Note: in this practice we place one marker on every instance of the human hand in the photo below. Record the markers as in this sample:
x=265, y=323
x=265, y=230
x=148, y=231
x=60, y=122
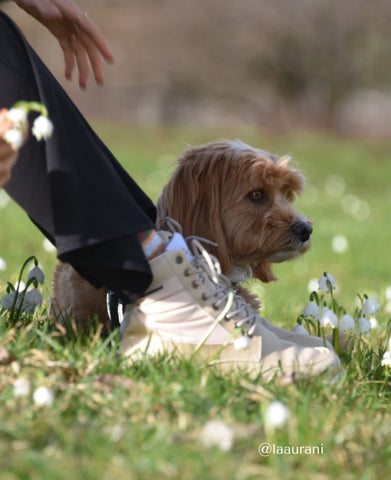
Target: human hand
x=8, y=155
x=8, y=158
x=79, y=37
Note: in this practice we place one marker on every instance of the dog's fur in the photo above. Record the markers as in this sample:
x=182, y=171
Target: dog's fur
x=237, y=196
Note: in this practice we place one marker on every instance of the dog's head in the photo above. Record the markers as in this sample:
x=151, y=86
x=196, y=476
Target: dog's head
x=242, y=199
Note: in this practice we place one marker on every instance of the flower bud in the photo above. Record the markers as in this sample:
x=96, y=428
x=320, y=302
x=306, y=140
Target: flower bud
x=364, y=325
x=346, y=323
x=36, y=273
x=323, y=282
x=370, y=306
x=42, y=128
x=300, y=330
x=328, y=318
x=14, y=137
x=32, y=299
x=43, y=396
x=18, y=117
x=8, y=300
x=386, y=360
x=277, y=415
x=311, y=310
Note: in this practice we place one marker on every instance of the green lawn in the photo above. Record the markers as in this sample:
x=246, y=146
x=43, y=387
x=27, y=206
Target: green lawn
x=112, y=419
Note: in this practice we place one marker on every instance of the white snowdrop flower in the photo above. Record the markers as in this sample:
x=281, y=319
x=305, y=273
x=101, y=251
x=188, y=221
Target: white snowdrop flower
x=387, y=307
x=339, y=244
x=370, y=306
x=364, y=325
x=8, y=300
x=328, y=318
x=335, y=185
x=300, y=330
x=311, y=310
x=388, y=293
x=43, y=396
x=32, y=299
x=42, y=128
x=3, y=265
x=17, y=116
x=389, y=343
x=14, y=137
x=276, y=416
x=313, y=285
x=22, y=387
x=386, y=360
x=20, y=286
x=346, y=323
x=37, y=273
x=323, y=282
x=48, y=246
x=217, y=434
x=242, y=342
x=374, y=323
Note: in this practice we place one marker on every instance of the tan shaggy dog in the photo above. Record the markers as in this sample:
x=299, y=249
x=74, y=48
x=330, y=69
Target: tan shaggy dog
x=228, y=192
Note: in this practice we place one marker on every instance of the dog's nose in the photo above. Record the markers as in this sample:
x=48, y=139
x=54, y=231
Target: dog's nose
x=303, y=230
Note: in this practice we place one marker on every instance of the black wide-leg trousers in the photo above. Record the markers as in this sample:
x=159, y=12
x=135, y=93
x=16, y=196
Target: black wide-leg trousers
x=71, y=186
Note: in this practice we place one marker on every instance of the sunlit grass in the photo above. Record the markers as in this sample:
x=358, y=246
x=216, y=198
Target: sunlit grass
x=115, y=419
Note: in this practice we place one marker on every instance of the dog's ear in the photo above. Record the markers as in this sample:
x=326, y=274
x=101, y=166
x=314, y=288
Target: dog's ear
x=263, y=271
x=161, y=210
x=178, y=198
x=194, y=200
x=215, y=229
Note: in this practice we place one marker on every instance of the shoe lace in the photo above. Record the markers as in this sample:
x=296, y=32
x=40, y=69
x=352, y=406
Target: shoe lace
x=223, y=293
x=226, y=299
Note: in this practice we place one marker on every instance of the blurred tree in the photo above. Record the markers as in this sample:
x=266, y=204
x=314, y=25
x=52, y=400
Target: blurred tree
x=273, y=62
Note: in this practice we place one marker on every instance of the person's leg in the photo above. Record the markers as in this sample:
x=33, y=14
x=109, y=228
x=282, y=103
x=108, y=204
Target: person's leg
x=71, y=186
x=81, y=198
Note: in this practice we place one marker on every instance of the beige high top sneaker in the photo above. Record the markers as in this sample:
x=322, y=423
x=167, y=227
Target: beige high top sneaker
x=190, y=308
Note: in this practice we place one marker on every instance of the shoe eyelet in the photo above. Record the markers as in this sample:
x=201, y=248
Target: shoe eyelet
x=179, y=259
x=195, y=284
x=204, y=297
x=215, y=307
x=187, y=272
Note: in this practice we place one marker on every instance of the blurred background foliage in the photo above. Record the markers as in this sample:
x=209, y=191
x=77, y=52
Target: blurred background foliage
x=307, y=78
x=276, y=64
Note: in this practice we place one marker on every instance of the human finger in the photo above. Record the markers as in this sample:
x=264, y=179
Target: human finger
x=69, y=56
x=94, y=56
x=73, y=14
x=7, y=161
x=5, y=122
x=81, y=60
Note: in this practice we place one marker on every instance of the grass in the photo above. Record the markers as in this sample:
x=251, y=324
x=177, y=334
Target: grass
x=116, y=419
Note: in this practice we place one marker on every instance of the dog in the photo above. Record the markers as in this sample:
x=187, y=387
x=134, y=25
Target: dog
x=238, y=197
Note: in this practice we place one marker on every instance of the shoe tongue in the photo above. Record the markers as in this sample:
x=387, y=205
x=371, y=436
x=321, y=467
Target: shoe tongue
x=177, y=242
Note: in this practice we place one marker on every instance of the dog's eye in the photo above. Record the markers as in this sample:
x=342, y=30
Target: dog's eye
x=290, y=196
x=256, y=196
